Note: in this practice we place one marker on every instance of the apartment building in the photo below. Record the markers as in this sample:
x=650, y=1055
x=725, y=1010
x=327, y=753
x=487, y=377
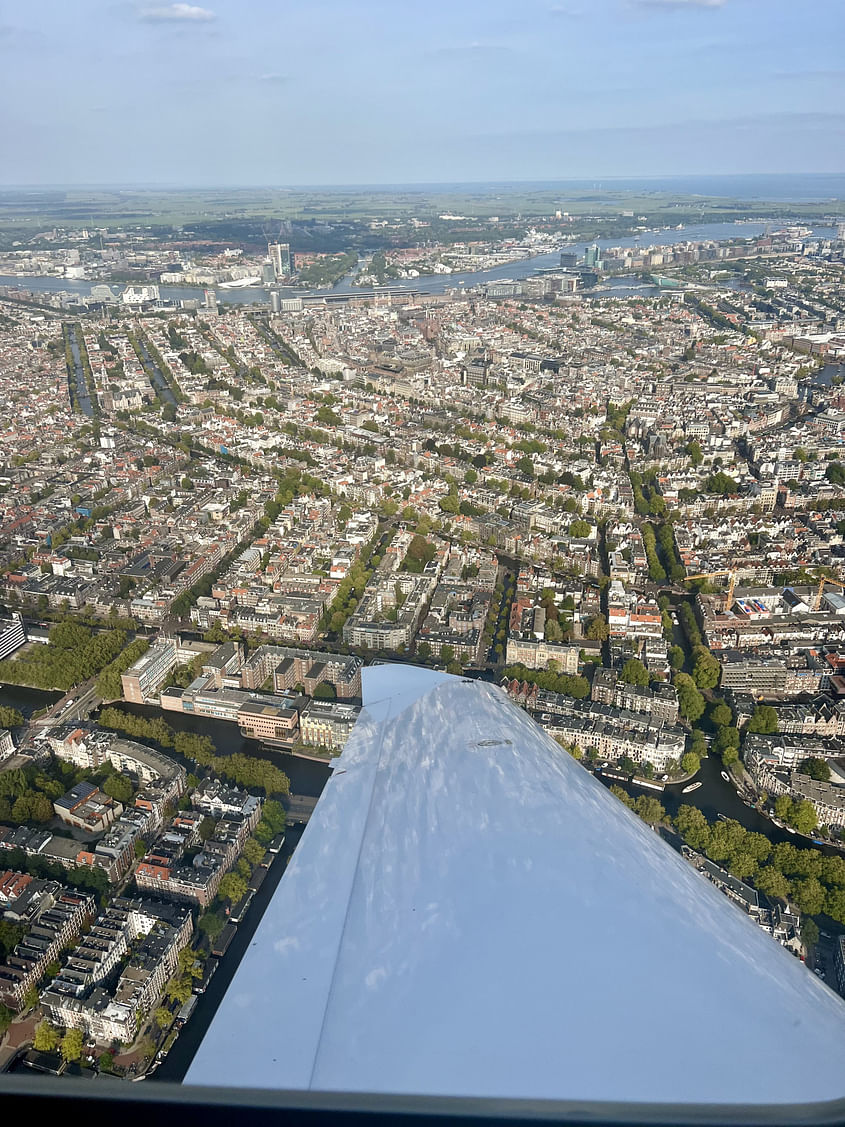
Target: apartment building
x=140, y=683
x=55, y=917
x=327, y=723
x=77, y=998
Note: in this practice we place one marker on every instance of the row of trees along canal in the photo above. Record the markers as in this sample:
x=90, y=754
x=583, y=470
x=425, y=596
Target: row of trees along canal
x=80, y=379
x=810, y=879
x=157, y=371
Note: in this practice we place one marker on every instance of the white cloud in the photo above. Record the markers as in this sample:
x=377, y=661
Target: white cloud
x=177, y=13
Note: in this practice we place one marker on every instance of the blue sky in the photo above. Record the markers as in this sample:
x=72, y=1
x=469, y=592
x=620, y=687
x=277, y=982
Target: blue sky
x=392, y=91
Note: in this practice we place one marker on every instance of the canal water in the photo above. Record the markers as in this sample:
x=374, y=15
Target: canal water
x=82, y=393
x=27, y=701
x=307, y=776
x=160, y=384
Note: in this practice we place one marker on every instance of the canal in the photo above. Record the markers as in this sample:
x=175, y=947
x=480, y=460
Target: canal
x=177, y=1061
x=83, y=396
x=717, y=796
x=307, y=776
x=27, y=701
x=157, y=377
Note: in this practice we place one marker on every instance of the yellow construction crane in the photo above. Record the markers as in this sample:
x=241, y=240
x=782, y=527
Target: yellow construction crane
x=824, y=579
x=715, y=575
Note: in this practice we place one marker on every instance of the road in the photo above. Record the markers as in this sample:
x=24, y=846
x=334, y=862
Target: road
x=85, y=700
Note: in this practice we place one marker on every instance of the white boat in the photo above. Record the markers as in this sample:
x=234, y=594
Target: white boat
x=725, y=776
x=240, y=283
x=692, y=786
x=789, y=829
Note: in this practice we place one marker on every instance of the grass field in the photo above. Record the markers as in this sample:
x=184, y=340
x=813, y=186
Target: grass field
x=33, y=210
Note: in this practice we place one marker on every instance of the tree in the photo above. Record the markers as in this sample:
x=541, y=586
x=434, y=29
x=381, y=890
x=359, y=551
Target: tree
x=634, y=673
x=105, y=1062
x=816, y=768
x=742, y=865
x=140, y=848
x=706, y=669
x=721, y=483
x=693, y=448
x=727, y=739
x=649, y=809
x=804, y=817
x=210, y=924
x=676, y=657
x=553, y=630
x=764, y=719
x=690, y=700
x=808, y=896
x=253, y=851
x=162, y=1017
x=730, y=756
x=189, y=963
x=809, y=933
x=772, y=883
x=30, y=998
x=720, y=714
x=47, y=1038
x=690, y=763
x=834, y=904
x=325, y=690
x=119, y=787
x=179, y=990
x=232, y=888
x=206, y=828
x=597, y=629
x=274, y=815
x=693, y=827
x=579, y=529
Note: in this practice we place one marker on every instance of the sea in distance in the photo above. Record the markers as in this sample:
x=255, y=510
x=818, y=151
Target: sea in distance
x=779, y=187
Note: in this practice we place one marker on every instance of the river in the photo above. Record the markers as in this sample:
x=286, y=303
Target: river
x=438, y=283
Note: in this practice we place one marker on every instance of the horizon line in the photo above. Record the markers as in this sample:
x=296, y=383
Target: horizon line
x=596, y=180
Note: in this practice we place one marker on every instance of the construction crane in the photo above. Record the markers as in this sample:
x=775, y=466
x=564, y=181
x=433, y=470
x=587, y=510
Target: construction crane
x=733, y=575
x=824, y=579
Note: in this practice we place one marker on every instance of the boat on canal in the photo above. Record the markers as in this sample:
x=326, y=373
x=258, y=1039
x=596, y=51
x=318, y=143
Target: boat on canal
x=725, y=776
x=692, y=787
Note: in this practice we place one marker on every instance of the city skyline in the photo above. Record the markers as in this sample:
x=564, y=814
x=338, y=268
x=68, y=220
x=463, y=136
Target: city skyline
x=212, y=94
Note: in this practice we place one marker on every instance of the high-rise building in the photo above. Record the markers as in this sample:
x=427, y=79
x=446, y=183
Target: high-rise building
x=591, y=255
x=12, y=634
x=281, y=259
